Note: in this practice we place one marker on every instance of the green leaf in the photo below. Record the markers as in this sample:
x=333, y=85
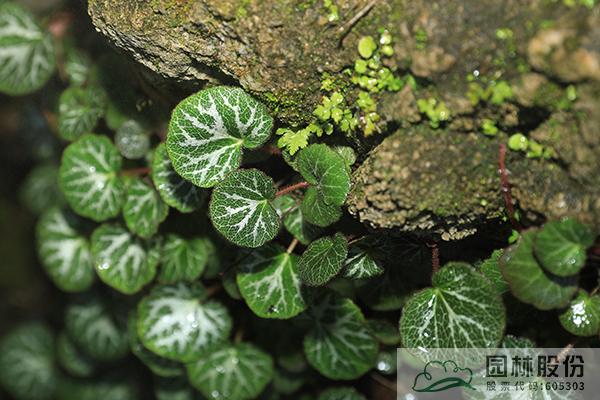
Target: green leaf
x=183, y=259
x=79, y=110
x=27, y=57
x=72, y=359
x=27, y=361
x=235, y=372
x=529, y=282
x=132, y=140
x=241, y=208
x=124, y=262
x=341, y=393
x=209, y=129
x=175, y=389
x=174, y=190
x=78, y=66
x=339, y=344
x=115, y=386
x=88, y=177
x=176, y=322
x=347, y=153
x=268, y=281
x=384, y=331
x=144, y=210
x=158, y=365
x=323, y=259
x=325, y=170
x=366, y=46
x=491, y=269
x=461, y=310
x=560, y=246
x=361, y=262
x=95, y=330
x=40, y=190
x=289, y=209
x=582, y=317
x=316, y=211
x=64, y=250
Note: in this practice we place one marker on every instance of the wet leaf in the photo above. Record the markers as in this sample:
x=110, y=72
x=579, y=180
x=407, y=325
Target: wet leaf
x=582, y=316
x=123, y=261
x=560, y=246
x=235, y=372
x=529, y=282
x=132, y=140
x=323, y=259
x=88, y=177
x=268, y=281
x=461, y=310
x=316, y=211
x=209, y=129
x=241, y=208
x=177, y=322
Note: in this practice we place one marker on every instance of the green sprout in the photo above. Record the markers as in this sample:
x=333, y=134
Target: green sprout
x=435, y=110
x=489, y=127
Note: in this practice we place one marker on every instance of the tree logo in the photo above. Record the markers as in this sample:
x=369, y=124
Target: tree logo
x=438, y=376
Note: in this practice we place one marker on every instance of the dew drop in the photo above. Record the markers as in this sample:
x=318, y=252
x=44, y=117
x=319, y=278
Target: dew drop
x=104, y=266
x=215, y=394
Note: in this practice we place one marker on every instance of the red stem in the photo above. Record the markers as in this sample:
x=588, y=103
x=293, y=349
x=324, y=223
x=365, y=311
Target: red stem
x=291, y=188
x=435, y=258
x=506, y=189
x=137, y=171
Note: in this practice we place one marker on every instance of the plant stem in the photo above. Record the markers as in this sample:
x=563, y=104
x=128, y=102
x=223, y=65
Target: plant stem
x=435, y=258
x=238, y=336
x=345, y=29
x=291, y=188
x=137, y=171
x=505, y=188
x=212, y=290
x=292, y=246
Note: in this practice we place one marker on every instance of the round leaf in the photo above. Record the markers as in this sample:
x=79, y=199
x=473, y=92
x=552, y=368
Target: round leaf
x=78, y=66
x=182, y=259
x=89, y=178
x=175, y=322
x=158, y=365
x=461, y=310
x=72, y=359
x=123, y=261
x=268, y=281
x=491, y=269
x=323, y=259
x=27, y=57
x=27, y=362
x=316, y=211
x=582, y=317
x=209, y=129
x=237, y=372
x=174, y=190
x=79, y=110
x=560, y=246
x=144, y=210
x=132, y=141
x=361, y=262
x=326, y=170
x=240, y=208
x=529, y=282
x=289, y=209
x=384, y=331
x=95, y=330
x=339, y=344
x=64, y=250
x=40, y=190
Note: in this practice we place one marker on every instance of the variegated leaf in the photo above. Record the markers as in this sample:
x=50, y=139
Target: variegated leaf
x=269, y=283
x=144, y=210
x=241, y=208
x=178, y=323
x=183, y=259
x=209, y=129
x=89, y=179
x=123, y=261
x=64, y=250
